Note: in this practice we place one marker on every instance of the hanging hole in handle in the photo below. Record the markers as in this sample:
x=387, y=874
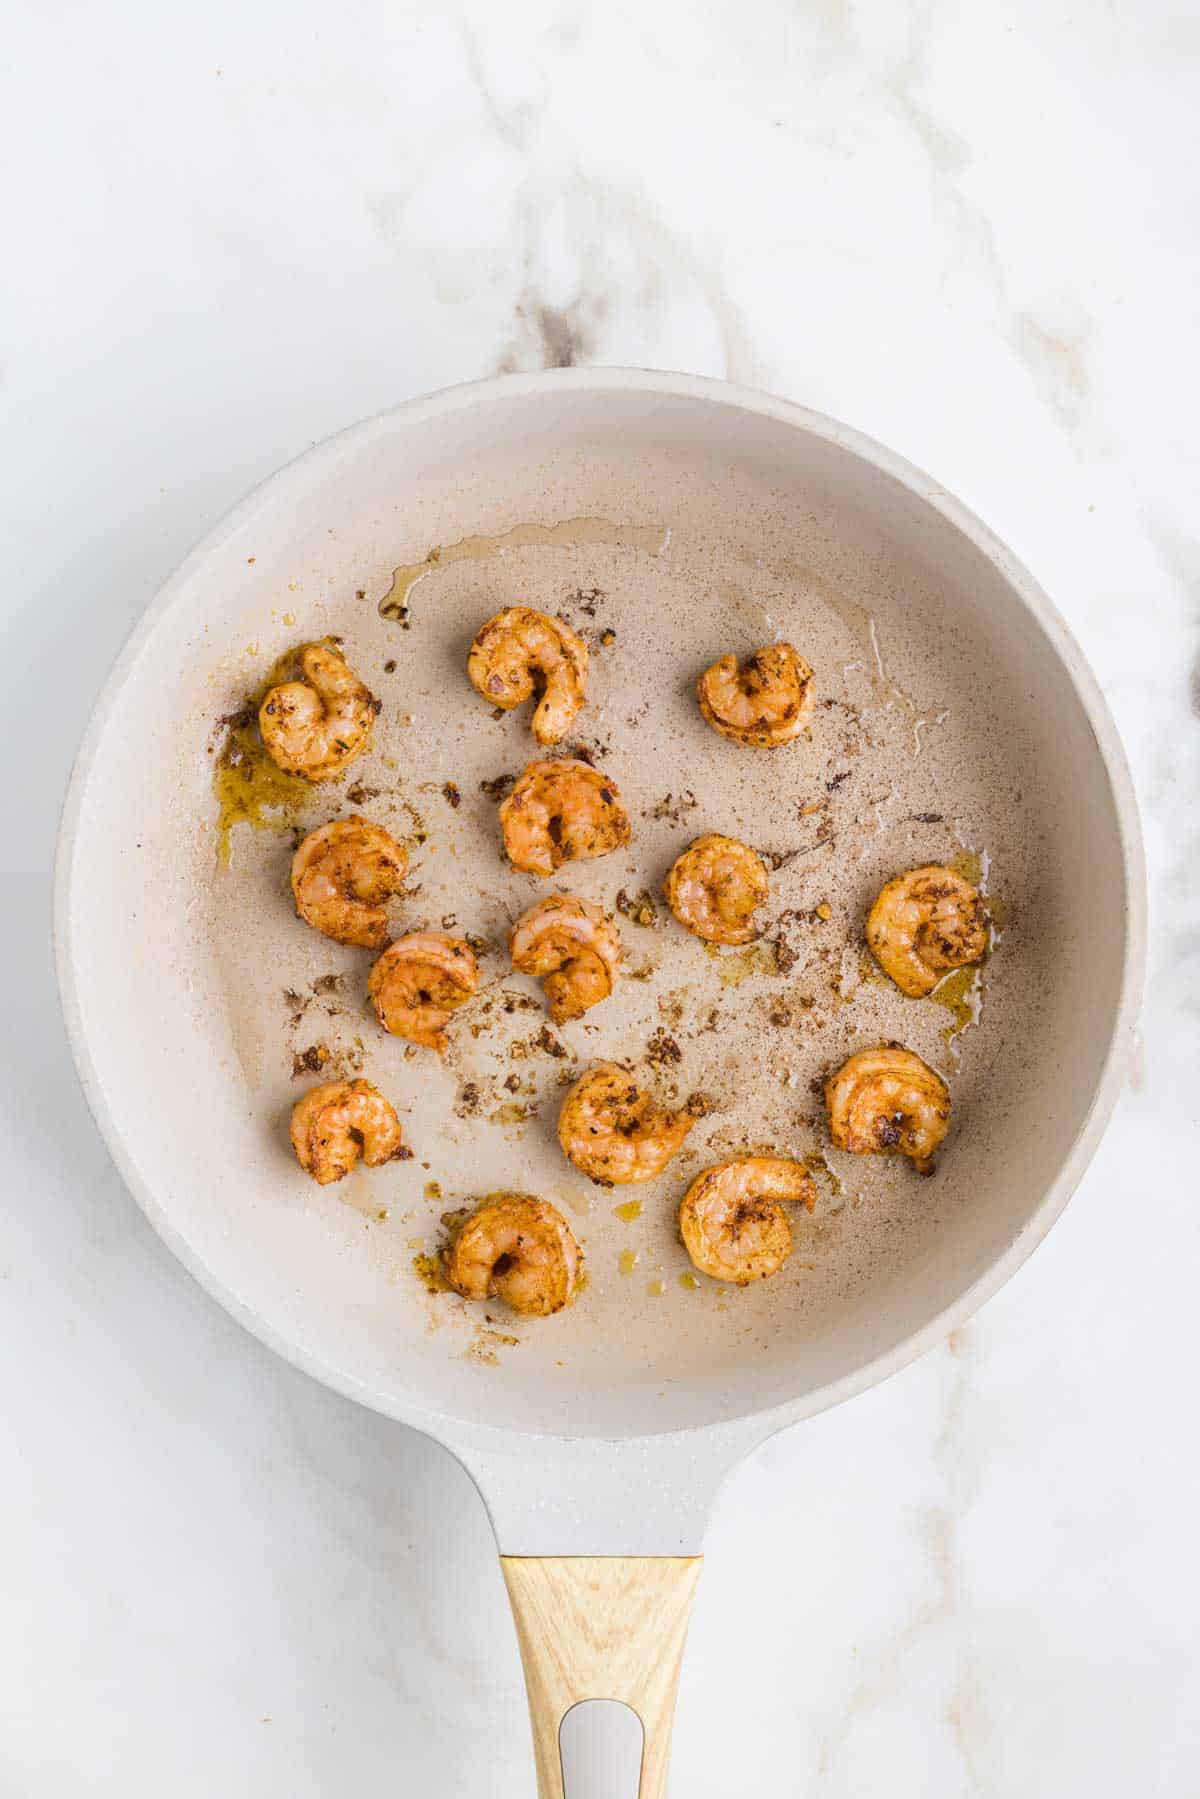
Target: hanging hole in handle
x=600, y=1743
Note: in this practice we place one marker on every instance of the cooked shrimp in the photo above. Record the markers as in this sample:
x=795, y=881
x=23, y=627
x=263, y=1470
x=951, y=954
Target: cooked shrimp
x=419, y=981
x=888, y=1102
x=562, y=812
x=612, y=1129
x=764, y=702
x=335, y=1124
x=572, y=947
x=316, y=726
x=715, y=886
x=341, y=876
x=732, y=1222
x=520, y=1250
x=521, y=652
x=923, y=923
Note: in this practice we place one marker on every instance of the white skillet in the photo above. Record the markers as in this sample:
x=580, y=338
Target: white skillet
x=961, y=717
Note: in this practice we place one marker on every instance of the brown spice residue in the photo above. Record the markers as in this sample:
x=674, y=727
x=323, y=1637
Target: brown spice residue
x=358, y=795
x=500, y=786
x=467, y=1103
x=518, y=1002
x=641, y=910
x=674, y=807
x=451, y=795
x=310, y=1061
x=549, y=1044
x=662, y=1050
x=431, y=1272
x=672, y=1006
x=485, y=1345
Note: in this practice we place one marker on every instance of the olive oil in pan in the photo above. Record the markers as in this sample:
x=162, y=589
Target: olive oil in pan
x=961, y=992
x=567, y=534
x=250, y=788
x=862, y=623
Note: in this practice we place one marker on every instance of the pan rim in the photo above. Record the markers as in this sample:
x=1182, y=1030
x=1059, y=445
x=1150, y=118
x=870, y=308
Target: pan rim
x=1042, y=614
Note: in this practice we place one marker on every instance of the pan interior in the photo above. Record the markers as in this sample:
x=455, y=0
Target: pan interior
x=945, y=727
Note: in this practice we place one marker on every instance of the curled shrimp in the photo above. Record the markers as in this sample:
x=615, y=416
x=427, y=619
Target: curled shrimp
x=419, y=981
x=518, y=1249
x=614, y=1131
x=335, y=1124
x=341, y=876
x=520, y=653
x=715, y=886
x=887, y=1101
x=572, y=947
x=764, y=702
x=923, y=923
x=562, y=812
x=732, y=1220
x=315, y=726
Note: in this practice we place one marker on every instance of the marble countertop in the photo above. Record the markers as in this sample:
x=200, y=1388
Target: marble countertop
x=970, y=231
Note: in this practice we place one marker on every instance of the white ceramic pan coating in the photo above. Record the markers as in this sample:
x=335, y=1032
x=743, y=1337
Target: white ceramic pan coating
x=671, y=519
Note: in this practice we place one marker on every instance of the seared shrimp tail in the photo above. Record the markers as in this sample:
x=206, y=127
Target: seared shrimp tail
x=732, y=1219
x=764, y=702
x=520, y=653
x=615, y=1132
x=316, y=726
x=518, y=1249
x=715, y=887
x=336, y=1123
x=572, y=947
x=561, y=812
x=419, y=982
x=926, y=922
x=887, y=1101
x=342, y=875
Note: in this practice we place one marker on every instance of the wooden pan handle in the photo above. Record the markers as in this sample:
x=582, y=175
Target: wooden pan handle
x=601, y=1627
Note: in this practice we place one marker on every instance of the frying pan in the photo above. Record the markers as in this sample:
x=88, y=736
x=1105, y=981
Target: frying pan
x=671, y=519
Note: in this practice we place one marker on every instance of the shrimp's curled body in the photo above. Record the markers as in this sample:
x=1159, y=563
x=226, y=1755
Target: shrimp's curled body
x=714, y=888
x=317, y=725
x=926, y=922
x=887, y=1101
x=521, y=652
x=764, y=702
x=419, y=981
x=732, y=1219
x=518, y=1249
x=341, y=876
x=614, y=1131
x=572, y=947
x=333, y=1125
x=560, y=812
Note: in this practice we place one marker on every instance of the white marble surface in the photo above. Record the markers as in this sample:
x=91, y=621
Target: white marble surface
x=970, y=230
